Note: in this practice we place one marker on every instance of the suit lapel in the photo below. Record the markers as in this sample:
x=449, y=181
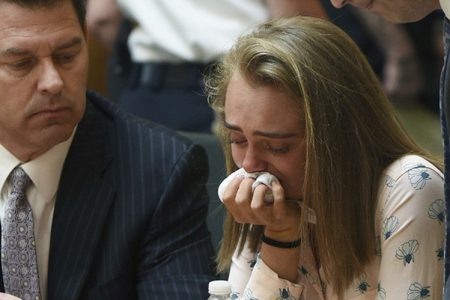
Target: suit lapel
x=83, y=200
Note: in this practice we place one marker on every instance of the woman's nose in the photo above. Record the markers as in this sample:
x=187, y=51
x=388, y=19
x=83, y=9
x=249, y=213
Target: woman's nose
x=253, y=162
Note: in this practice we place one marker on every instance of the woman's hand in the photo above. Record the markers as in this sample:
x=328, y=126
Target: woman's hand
x=280, y=218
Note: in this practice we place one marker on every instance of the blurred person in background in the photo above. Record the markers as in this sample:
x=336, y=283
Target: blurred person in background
x=387, y=46
x=426, y=36
x=170, y=46
x=107, y=25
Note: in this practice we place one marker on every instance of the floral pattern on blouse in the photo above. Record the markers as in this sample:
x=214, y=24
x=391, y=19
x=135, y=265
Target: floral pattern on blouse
x=408, y=261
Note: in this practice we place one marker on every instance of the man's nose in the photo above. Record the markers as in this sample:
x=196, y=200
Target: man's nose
x=50, y=81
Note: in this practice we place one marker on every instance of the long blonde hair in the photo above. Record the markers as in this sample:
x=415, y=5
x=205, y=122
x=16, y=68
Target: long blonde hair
x=352, y=135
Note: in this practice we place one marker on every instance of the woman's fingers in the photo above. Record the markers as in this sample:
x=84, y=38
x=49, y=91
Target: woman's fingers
x=285, y=218
x=229, y=194
x=249, y=206
x=237, y=199
x=244, y=193
x=279, y=202
x=260, y=208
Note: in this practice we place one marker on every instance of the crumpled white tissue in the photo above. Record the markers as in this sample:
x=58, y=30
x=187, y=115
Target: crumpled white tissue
x=266, y=179
x=260, y=178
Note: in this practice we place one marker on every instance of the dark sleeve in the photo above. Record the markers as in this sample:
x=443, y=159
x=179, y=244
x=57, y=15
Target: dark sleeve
x=176, y=258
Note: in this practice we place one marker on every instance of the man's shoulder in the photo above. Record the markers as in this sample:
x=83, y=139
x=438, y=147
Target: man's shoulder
x=129, y=126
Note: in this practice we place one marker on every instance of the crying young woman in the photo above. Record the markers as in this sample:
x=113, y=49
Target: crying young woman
x=348, y=205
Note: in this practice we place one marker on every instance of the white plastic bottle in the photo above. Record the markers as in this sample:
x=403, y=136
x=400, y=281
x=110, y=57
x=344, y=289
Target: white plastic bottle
x=219, y=290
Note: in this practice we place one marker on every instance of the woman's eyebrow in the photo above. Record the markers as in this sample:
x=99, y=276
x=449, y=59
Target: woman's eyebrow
x=273, y=134
x=232, y=126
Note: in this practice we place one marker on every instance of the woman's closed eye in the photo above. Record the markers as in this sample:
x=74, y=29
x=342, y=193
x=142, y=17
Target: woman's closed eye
x=277, y=149
x=236, y=138
x=237, y=141
x=271, y=147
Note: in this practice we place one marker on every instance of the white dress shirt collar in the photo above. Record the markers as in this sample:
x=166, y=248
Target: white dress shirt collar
x=44, y=171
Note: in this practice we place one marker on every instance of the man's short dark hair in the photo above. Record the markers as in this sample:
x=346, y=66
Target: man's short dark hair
x=78, y=5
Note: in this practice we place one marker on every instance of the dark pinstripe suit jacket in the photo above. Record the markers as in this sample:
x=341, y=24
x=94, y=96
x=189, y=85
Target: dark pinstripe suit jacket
x=130, y=213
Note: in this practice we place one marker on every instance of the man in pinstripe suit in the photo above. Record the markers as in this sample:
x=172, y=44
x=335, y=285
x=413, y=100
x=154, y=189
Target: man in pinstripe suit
x=119, y=204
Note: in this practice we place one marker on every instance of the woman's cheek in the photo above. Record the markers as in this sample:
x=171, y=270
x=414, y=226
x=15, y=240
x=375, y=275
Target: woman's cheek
x=237, y=156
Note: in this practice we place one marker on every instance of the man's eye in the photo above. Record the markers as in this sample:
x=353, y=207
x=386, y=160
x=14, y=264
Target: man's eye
x=64, y=58
x=21, y=65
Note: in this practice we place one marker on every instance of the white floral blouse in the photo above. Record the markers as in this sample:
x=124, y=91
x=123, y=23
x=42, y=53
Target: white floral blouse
x=408, y=264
